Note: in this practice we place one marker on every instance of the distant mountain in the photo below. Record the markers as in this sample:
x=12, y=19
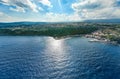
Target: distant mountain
x=16, y=24
x=103, y=21
x=29, y=24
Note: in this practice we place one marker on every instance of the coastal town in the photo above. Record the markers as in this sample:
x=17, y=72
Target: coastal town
x=105, y=35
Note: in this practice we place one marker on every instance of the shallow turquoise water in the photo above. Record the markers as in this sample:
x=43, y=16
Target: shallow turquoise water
x=27, y=57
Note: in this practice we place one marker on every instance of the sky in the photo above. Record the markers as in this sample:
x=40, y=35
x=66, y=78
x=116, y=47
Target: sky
x=58, y=10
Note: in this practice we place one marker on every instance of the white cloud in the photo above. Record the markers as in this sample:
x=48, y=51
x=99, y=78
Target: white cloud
x=20, y=5
x=46, y=3
x=1, y=13
x=97, y=9
x=18, y=9
x=41, y=9
x=6, y=18
x=52, y=17
x=48, y=17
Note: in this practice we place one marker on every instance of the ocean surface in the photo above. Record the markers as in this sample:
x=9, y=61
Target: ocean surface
x=27, y=57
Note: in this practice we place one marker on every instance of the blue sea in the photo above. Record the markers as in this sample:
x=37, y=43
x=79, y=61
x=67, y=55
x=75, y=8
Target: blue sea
x=39, y=57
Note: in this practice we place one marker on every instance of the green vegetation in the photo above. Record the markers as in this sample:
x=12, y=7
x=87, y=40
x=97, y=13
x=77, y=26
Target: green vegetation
x=48, y=31
x=100, y=30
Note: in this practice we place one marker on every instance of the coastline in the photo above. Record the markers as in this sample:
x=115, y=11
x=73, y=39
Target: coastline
x=103, y=40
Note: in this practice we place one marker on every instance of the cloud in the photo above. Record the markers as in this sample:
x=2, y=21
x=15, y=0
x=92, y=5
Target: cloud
x=6, y=18
x=18, y=9
x=97, y=9
x=48, y=17
x=46, y=3
x=1, y=13
x=55, y=17
x=20, y=5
